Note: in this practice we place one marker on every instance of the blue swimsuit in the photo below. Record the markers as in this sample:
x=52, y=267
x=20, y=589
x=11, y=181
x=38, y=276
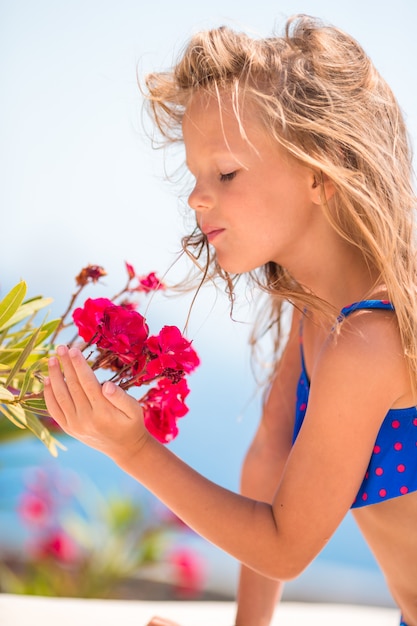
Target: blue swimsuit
x=392, y=469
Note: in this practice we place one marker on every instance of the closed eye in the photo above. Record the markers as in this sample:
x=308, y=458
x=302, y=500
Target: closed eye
x=226, y=177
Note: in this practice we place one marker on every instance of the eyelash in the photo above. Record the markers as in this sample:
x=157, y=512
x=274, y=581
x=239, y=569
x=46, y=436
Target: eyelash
x=226, y=177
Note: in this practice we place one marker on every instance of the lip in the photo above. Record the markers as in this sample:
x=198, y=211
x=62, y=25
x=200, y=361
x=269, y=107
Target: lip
x=211, y=233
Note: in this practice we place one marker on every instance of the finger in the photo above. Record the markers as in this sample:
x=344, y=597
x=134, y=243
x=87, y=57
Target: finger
x=69, y=383
x=56, y=390
x=121, y=400
x=52, y=405
x=81, y=379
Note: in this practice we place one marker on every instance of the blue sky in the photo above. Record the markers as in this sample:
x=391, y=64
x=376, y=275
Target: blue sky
x=80, y=182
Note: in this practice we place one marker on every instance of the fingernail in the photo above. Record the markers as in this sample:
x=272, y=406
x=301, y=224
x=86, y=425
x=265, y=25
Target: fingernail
x=61, y=350
x=109, y=388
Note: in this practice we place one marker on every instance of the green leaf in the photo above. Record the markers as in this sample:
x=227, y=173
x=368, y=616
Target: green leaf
x=5, y=394
x=37, y=405
x=8, y=356
x=28, y=378
x=48, y=329
x=19, y=339
x=11, y=302
x=3, y=336
x=10, y=416
x=18, y=413
x=26, y=419
x=25, y=310
x=24, y=354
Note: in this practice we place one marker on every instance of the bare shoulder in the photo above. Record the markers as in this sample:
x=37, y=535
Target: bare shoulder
x=366, y=350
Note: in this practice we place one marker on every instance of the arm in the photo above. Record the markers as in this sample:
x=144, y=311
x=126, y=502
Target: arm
x=262, y=467
x=354, y=382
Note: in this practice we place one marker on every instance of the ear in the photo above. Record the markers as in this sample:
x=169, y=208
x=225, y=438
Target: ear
x=322, y=188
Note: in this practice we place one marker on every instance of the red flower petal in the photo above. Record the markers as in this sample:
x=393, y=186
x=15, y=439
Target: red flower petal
x=88, y=317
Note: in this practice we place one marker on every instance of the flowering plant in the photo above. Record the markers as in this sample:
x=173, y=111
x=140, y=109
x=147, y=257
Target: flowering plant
x=77, y=542
x=115, y=338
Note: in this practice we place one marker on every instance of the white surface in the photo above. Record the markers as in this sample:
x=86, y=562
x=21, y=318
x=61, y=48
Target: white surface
x=35, y=611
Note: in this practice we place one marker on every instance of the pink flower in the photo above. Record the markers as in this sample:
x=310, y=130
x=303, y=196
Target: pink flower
x=162, y=406
x=150, y=282
x=88, y=318
x=58, y=545
x=91, y=273
x=171, y=354
x=188, y=572
x=34, y=509
x=123, y=332
x=130, y=270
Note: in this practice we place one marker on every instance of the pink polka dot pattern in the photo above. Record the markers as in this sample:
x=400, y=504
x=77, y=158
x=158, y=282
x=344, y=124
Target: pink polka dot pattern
x=392, y=469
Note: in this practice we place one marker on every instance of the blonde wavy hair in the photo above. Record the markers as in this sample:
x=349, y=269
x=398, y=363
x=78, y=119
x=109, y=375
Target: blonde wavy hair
x=319, y=95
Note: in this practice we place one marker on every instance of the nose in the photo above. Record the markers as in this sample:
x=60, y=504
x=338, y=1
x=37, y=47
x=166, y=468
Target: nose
x=200, y=198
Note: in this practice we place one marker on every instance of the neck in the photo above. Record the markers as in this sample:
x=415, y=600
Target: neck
x=342, y=278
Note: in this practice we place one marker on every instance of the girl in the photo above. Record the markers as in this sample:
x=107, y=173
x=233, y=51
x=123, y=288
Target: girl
x=303, y=183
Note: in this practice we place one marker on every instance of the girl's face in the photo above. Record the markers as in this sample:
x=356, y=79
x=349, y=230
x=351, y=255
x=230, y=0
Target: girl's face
x=254, y=202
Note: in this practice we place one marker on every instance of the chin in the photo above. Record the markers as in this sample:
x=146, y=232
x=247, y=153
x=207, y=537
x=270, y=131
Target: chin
x=236, y=268
x=237, y=264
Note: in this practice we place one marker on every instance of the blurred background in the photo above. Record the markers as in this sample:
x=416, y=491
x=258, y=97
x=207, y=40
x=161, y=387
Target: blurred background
x=81, y=184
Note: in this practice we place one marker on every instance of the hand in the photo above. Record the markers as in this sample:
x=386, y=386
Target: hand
x=103, y=417
x=161, y=621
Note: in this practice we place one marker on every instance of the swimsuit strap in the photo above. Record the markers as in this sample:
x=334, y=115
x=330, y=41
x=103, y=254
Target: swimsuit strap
x=365, y=304
x=347, y=310
x=301, y=343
